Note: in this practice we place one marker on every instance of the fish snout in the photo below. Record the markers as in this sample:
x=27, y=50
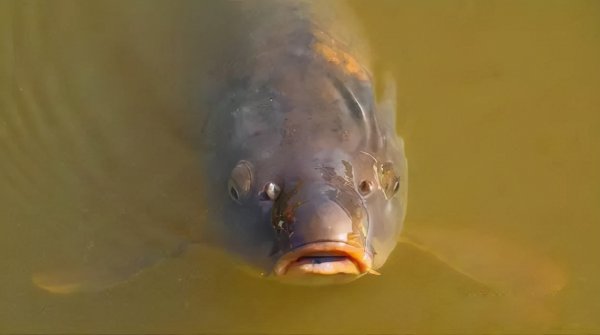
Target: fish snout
x=321, y=233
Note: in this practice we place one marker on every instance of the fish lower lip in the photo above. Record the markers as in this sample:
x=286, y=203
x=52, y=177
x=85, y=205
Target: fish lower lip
x=324, y=258
x=323, y=265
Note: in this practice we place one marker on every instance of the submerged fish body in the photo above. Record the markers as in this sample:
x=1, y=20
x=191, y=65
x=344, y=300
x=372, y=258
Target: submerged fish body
x=303, y=174
x=306, y=175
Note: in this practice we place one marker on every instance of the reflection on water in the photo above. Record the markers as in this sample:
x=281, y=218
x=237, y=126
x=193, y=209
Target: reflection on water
x=498, y=105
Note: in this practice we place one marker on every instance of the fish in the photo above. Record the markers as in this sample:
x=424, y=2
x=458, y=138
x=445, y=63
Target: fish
x=315, y=173
x=305, y=176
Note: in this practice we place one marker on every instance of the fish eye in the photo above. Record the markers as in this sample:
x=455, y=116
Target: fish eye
x=365, y=187
x=396, y=186
x=234, y=194
x=240, y=181
x=271, y=191
x=389, y=181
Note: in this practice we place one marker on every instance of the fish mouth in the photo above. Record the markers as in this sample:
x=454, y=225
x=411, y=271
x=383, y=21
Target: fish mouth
x=324, y=258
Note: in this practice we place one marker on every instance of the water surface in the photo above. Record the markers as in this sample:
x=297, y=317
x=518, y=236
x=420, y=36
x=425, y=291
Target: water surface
x=497, y=101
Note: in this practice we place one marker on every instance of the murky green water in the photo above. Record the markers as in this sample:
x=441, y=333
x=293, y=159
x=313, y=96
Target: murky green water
x=499, y=106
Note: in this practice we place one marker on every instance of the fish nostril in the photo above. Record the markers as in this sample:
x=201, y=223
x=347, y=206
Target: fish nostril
x=234, y=194
x=365, y=187
x=270, y=191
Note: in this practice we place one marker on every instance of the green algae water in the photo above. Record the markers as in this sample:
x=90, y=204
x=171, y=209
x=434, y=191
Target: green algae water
x=497, y=102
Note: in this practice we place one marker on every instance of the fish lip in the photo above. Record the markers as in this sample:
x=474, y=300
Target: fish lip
x=359, y=256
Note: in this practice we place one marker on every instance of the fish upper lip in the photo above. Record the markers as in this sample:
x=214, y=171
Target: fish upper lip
x=359, y=256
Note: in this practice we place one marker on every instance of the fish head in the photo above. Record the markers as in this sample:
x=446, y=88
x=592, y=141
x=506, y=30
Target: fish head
x=317, y=182
x=330, y=218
